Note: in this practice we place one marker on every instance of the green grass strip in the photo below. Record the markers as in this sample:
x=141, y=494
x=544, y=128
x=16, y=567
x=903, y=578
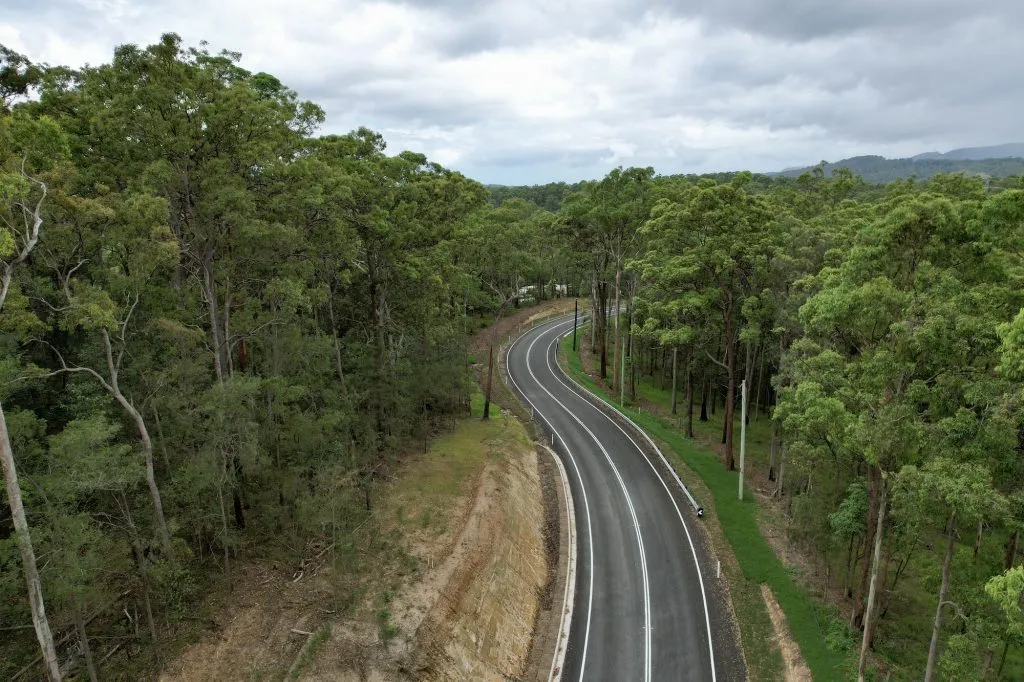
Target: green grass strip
x=757, y=560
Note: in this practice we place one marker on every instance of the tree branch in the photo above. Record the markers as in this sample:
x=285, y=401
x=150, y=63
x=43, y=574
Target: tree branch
x=715, y=360
x=65, y=368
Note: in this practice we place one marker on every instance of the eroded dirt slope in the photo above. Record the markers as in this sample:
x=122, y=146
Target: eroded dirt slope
x=468, y=517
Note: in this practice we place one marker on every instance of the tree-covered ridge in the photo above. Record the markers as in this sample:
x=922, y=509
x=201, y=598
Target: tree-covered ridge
x=220, y=332
x=880, y=170
x=549, y=196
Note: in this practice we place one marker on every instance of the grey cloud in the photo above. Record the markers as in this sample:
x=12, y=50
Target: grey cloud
x=812, y=19
x=757, y=83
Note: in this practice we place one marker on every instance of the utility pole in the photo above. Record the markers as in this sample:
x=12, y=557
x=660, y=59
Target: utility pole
x=743, y=431
x=575, y=314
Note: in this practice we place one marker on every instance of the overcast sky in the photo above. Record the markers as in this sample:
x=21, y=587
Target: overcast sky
x=529, y=91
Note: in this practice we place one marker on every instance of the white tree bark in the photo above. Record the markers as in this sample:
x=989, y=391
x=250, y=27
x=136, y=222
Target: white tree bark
x=111, y=384
x=33, y=220
x=873, y=588
x=933, y=646
x=28, y=555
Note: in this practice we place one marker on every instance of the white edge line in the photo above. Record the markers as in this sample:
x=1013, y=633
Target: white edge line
x=562, y=644
x=622, y=486
x=590, y=538
x=693, y=550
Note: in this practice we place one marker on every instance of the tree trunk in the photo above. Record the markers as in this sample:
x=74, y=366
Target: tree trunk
x=780, y=482
x=977, y=539
x=83, y=641
x=616, y=378
x=28, y=554
x=848, y=581
x=675, y=372
x=628, y=343
x=228, y=361
x=490, y=376
x=705, y=388
x=689, y=395
x=337, y=343
x=224, y=517
x=140, y=562
x=210, y=291
x=875, y=486
x=773, y=450
x=602, y=292
x=748, y=373
x=236, y=492
x=163, y=441
x=147, y=447
x=724, y=427
x=873, y=590
x=1011, y=550
x=730, y=390
x=933, y=646
x=760, y=380
x=904, y=562
x=596, y=307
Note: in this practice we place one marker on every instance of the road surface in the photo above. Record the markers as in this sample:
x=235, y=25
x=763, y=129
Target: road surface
x=643, y=610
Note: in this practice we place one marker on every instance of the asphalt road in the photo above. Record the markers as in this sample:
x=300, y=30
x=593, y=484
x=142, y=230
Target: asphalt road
x=643, y=610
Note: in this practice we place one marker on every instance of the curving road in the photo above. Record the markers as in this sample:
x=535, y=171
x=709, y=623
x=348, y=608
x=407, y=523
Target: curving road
x=642, y=611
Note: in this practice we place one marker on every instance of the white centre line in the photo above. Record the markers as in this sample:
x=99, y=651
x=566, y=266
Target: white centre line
x=689, y=538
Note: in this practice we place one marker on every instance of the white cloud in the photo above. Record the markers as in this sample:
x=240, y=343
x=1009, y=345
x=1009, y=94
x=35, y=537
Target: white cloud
x=535, y=90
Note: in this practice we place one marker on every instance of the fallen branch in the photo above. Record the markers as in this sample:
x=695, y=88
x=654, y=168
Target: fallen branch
x=110, y=653
x=31, y=664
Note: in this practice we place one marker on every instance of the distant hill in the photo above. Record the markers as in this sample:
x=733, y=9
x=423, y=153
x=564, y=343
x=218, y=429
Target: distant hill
x=995, y=162
x=999, y=151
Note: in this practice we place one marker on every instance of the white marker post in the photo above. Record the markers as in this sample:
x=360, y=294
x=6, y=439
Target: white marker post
x=743, y=432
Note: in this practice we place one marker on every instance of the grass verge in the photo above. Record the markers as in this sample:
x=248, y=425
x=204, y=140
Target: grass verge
x=757, y=561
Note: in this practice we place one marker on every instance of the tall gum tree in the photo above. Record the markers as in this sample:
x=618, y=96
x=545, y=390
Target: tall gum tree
x=905, y=329
x=719, y=240
x=28, y=148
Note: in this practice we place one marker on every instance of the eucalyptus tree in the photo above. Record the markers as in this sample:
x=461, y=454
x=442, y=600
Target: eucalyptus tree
x=960, y=491
x=897, y=356
x=497, y=247
x=602, y=220
x=622, y=204
x=577, y=225
x=199, y=131
x=720, y=241
x=32, y=152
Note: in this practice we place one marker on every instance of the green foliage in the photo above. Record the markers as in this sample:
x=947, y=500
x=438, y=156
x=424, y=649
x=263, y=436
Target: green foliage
x=1012, y=348
x=229, y=328
x=1006, y=591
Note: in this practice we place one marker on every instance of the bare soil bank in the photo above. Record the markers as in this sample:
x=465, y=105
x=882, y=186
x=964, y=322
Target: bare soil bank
x=470, y=518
